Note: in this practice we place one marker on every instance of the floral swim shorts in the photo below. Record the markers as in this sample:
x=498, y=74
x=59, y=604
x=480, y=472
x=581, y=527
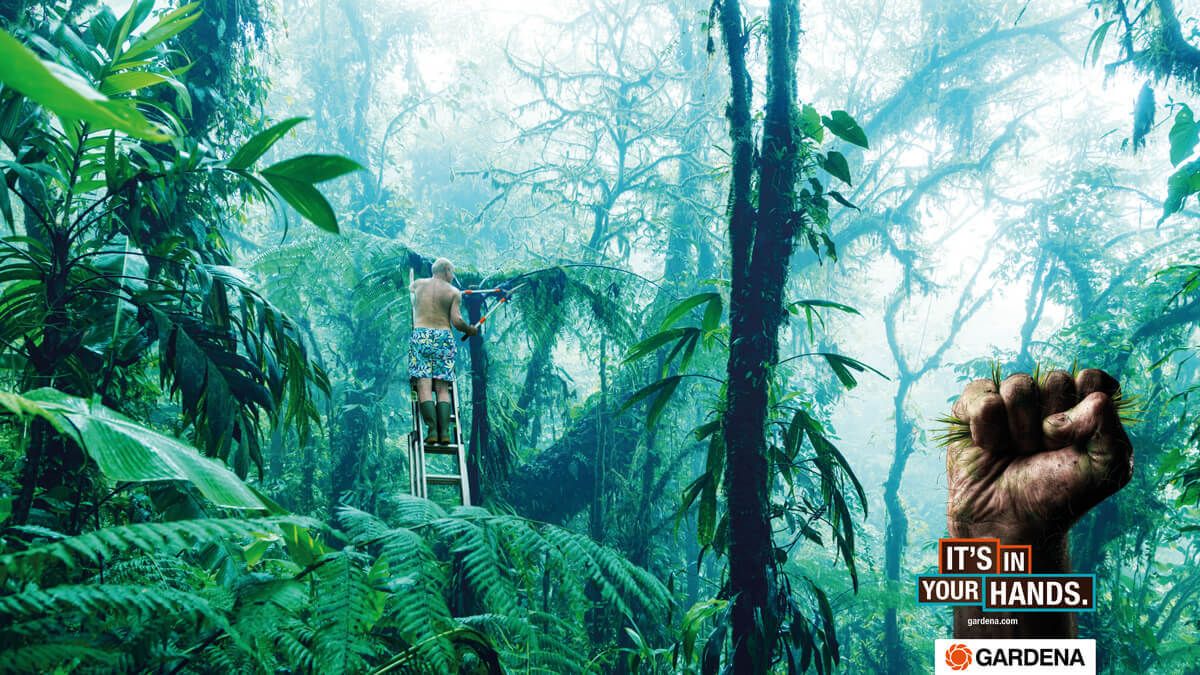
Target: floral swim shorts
x=431, y=353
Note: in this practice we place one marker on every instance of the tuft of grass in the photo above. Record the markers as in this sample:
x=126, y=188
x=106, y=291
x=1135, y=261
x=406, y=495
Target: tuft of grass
x=956, y=430
x=1129, y=408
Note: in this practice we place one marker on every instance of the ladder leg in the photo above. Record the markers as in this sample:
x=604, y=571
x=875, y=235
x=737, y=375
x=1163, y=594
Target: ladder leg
x=417, y=483
x=420, y=478
x=465, y=484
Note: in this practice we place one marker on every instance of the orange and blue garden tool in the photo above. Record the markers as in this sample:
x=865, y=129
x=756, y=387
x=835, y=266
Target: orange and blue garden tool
x=503, y=296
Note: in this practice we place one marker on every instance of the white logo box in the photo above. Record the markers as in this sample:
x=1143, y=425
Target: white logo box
x=1014, y=657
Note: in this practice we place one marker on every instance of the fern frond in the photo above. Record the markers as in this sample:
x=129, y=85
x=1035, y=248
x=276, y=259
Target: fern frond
x=362, y=527
x=49, y=656
x=106, y=600
x=551, y=645
x=483, y=566
x=414, y=511
x=507, y=562
x=344, y=611
x=145, y=537
x=596, y=564
x=220, y=658
x=292, y=640
x=419, y=583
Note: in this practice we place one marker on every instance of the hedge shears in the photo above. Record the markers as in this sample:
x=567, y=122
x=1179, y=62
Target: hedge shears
x=503, y=295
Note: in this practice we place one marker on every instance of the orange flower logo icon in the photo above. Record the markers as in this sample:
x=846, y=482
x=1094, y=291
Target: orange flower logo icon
x=958, y=657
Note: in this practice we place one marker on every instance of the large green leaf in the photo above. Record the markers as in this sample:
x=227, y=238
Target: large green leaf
x=306, y=199
x=842, y=365
x=837, y=166
x=168, y=26
x=811, y=310
x=1096, y=42
x=67, y=94
x=664, y=389
x=846, y=128
x=126, y=451
x=1182, y=184
x=655, y=341
x=1184, y=136
x=312, y=168
x=258, y=145
x=680, y=310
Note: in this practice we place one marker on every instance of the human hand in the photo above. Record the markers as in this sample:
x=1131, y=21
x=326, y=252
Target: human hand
x=1028, y=459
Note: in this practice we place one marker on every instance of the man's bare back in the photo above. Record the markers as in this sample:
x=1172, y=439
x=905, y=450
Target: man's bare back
x=436, y=304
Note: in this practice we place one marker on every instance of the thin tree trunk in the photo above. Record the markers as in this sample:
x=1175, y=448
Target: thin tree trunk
x=308, y=469
x=896, y=535
x=596, y=517
x=481, y=430
x=349, y=439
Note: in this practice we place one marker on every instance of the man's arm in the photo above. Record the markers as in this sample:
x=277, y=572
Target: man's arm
x=456, y=316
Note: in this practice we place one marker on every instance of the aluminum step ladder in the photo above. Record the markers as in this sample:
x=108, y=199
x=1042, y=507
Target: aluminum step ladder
x=418, y=449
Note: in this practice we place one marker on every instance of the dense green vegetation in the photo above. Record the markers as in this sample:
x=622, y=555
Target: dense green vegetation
x=755, y=248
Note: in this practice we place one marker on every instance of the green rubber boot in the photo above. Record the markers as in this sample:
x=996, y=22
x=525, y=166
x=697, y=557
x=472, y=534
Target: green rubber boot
x=443, y=422
x=428, y=413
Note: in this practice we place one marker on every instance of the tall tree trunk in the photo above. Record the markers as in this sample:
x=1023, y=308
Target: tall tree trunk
x=760, y=247
x=481, y=430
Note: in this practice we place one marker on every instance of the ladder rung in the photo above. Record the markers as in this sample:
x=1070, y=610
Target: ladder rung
x=441, y=449
x=443, y=479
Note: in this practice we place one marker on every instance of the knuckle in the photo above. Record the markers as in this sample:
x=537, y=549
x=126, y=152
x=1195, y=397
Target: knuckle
x=1094, y=379
x=981, y=386
x=1058, y=380
x=1020, y=392
x=988, y=408
x=1017, y=382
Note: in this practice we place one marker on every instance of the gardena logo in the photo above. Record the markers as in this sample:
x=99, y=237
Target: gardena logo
x=1009, y=657
x=958, y=657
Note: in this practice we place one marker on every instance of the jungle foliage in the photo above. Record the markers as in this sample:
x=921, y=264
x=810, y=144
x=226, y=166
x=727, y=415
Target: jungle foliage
x=751, y=249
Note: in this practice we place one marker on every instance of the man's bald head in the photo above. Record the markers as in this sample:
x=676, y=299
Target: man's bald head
x=443, y=269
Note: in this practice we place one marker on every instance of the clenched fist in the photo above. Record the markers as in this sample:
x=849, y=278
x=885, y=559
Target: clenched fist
x=1037, y=457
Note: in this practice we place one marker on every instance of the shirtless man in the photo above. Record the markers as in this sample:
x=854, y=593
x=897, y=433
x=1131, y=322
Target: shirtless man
x=431, y=349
